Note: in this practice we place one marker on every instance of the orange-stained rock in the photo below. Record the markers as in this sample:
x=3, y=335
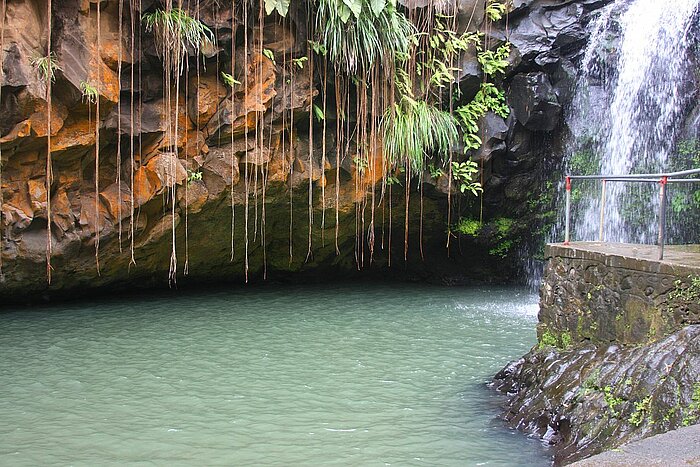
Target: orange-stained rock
x=23, y=165
x=257, y=156
x=278, y=168
x=117, y=199
x=194, y=144
x=159, y=229
x=16, y=206
x=80, y=134
x=177, y=109
x=223, y=162
x=205, y=98
x=21, y=130
x=109, y=51
x=107, y=84
x=37, y=196
x=61, y=211
x=250, y=99
x=39, y=122
x=146, y=185
x=193, y=196
x=94, y=216
x=168, y=168
x=366, y=176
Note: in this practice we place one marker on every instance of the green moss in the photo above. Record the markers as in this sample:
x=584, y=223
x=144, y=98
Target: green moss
x=584, y=162
x=503, y=228
x=693, y=414
x=467, y=226
x=611, y=401
x=547, y=339
x=566, y=340
x=503, y=225
x=641, y=411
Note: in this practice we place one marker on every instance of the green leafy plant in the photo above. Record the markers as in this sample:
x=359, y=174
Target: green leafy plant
x=689, y=292
x=318, y=112
x=318, y=48
x=299, y=62
x=269, y=54
x=547, y=339
x=489, y=98
x=361, y=163
x=611, y=401
x=359, y=33
x=463, y=173
x=495, y=10
x=470, y=227
x=46, y=67
x=280, y=6
x=229, y=79
x=693, y=414
x=90, y=92
x=194, y=176
x=494, y=62
x=435, y=172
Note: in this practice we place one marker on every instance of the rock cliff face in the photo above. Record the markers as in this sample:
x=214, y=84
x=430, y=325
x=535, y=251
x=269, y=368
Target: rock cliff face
x=187, y=176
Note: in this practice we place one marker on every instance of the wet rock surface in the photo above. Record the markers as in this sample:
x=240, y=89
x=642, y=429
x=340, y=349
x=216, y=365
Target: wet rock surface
x=589, y=399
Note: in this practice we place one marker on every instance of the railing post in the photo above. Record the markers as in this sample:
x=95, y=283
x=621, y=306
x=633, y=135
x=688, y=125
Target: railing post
x=602, y=211
x=568, y=211
x=662, y=216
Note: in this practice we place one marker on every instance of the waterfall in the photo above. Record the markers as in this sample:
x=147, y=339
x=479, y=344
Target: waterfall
x=634, y=93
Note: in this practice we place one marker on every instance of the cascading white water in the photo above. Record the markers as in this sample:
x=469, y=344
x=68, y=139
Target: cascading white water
x=631, y=100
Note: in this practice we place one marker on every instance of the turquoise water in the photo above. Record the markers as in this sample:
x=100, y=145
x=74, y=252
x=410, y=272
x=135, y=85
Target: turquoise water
x=324, y=375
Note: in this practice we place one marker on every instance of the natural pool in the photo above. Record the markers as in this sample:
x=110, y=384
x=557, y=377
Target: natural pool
x=359, y=374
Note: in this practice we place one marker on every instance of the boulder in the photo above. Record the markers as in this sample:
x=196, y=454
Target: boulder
x=534, y=102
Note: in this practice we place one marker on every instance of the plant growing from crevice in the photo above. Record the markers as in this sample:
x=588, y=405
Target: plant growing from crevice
x=413, y=129
x=46, y=67
x=175, y=31
x=229, y=80
x=642, y=409
x=89, y=92
x=693, y=412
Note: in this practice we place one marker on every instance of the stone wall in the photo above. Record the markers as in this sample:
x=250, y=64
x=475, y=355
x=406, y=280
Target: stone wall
x=614, y=296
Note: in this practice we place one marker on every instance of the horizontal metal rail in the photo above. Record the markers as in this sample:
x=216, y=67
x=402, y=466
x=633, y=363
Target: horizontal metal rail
x=658, y=176
x=663, y=179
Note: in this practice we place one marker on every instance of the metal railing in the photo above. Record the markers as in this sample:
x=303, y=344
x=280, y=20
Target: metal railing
x=663, y=179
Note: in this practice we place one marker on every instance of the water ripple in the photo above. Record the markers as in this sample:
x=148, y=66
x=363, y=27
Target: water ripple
x=351, y=375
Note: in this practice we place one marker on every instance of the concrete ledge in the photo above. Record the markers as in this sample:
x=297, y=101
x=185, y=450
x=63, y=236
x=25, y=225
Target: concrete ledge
x=679, y=260
x=675, y=448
